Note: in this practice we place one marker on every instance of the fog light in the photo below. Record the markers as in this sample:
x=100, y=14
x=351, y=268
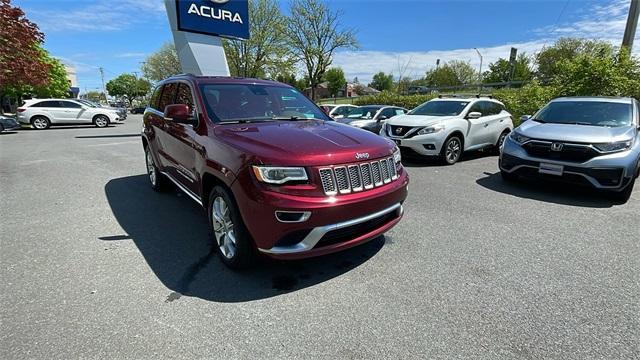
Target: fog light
x=429, y=146
x=292, y=216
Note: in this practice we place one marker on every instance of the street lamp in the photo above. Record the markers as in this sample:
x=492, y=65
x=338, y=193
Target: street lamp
x=480, y=72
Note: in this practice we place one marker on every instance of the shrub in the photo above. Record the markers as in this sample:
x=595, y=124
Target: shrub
x=390, y=98
x=526, y=100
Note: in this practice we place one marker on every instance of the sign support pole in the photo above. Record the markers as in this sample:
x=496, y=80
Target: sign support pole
x=199, y=54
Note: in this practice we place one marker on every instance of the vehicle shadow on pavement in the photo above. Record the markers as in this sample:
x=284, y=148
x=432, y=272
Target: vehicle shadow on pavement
x=552, y=192
x=109, y=136
x=172, y=234
x=416, y=161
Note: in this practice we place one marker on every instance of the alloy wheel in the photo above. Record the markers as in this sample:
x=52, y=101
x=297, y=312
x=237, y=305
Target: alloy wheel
x=453, y=151
x=101, y=121
x=223, y=227
x=40, y=123
x=151, y=169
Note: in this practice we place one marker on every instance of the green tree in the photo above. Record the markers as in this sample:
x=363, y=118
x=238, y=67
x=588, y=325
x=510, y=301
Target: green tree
x=95, y=96
x=452, y=73
x=264, y=54
x=549, y=59
x=500, y=70
x=57, y=84
x=336, y=80
x=127, y=85
x=607, y=72
x=162, y=64
x=313, y=33
x=382, y=81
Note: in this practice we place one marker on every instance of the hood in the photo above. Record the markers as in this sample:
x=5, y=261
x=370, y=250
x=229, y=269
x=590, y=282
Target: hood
x=304, y=143
x=575, y=133
x=417, y=120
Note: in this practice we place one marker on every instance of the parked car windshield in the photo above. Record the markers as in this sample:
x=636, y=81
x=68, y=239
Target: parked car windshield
x=238, y=102
x=362, y=112
x=440, y=108
x=594, y=113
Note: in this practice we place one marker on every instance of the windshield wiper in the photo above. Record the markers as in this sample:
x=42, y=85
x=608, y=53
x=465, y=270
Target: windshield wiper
x=293, y=118
x=244, y=121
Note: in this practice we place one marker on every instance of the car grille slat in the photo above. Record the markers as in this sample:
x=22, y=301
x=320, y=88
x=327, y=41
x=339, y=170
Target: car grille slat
x=569, y=152
x=357, y=177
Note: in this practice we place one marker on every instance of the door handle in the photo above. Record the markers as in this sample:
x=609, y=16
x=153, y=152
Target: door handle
x=485, y=125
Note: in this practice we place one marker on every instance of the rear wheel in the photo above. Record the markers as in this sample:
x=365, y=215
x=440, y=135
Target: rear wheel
x=40, y=122
x=451, y=150
x=231, y=237
x=101, y=121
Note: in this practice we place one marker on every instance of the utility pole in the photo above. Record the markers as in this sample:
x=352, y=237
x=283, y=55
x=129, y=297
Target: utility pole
x=104, y=90
x=632, y=24
x=480, y=72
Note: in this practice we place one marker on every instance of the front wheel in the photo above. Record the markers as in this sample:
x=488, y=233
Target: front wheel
x=157, y=180
x=101, y=121
x=501, y=140
x=231, y=237
x=451, y=150
x=624, y=195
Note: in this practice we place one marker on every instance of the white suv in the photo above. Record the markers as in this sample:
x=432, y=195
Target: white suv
x=446, y=127
x=42, y=113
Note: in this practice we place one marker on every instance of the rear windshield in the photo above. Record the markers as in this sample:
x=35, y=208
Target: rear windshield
x=440, y=108
x=363, y=112
x=238, y=102
x=594, y=113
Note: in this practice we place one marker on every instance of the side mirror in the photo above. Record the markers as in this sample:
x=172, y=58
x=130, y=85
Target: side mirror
x=524, y=118
x=474, y=115
x=382, y=117
x=179, y=113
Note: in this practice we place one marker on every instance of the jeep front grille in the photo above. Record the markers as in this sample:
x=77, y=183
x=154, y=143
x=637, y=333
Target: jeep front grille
x=358, y=177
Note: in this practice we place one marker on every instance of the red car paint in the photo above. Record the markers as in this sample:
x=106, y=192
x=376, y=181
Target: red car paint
x=197, y=156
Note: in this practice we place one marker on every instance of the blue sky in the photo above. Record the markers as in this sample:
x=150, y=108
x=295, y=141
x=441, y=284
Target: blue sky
x=397, y=36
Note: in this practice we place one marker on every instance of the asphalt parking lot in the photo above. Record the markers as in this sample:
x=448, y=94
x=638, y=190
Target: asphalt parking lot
x=94, y=264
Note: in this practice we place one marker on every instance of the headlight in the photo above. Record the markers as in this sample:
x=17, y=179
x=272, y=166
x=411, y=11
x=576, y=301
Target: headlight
x=431, y=129
x=397, y=157
x=279, y=175
x=614, y=146
x=519, y=138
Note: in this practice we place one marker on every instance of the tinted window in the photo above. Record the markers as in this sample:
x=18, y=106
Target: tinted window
x=168, y=94
x=155, y=98
x=389, y=113
x=233, y=102
x=183, y=96
x=363, y=112
x=440, y=108
x=70, y=104
x=47, y=104
x=596, y=113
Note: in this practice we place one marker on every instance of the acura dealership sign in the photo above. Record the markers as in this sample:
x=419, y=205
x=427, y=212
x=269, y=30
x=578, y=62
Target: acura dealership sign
x=226, y=18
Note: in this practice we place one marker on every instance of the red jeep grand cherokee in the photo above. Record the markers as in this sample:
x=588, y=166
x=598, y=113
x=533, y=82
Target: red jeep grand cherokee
x=272, y=170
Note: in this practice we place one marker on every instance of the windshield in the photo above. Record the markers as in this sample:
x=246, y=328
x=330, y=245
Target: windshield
x=246, y=102
x=440, y=108
x=362, y=112
x=594, y=113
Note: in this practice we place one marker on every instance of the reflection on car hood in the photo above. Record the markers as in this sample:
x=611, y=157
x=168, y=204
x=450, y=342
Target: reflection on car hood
x=304, y=142
x=417, y=120
x=350, y=120
x=575, y=133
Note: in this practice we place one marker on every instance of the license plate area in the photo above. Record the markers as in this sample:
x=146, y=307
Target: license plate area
x=551, y=169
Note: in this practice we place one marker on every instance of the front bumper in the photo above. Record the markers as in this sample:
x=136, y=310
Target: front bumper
x=607, y=172
x=427, y=145
x=334, y=223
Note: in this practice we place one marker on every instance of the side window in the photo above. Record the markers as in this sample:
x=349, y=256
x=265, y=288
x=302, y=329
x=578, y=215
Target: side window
x=389, y=113
x=183, y=96
x=343, y=110
x=49, y=104
x=153, y=102
x=70, y=104
x=168, y=94
x=399, y=111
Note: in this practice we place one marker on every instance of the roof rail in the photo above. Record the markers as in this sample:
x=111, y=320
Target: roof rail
x=444, y=96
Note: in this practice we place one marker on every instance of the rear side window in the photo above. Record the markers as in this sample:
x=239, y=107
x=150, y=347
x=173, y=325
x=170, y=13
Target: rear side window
x=168, y=95
x=47, y=104
x=70, y=104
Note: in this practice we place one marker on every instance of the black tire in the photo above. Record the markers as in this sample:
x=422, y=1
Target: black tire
x=40, y=122
x=451, y=150
x=1, y=128
x=243, y=254
x=624, y=195
x=158, y=181
x=101, y=121
x=508, y=177
x=500, y=141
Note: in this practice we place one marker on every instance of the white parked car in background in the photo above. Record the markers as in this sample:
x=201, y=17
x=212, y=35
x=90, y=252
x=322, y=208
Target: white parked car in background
x=337, y=111
x=446, y=127
x=42, y=113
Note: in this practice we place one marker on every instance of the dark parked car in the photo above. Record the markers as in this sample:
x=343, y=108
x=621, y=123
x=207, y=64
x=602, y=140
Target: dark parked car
x=8, y=124
x=137, y=110
x=371, y=117
x=274, y=173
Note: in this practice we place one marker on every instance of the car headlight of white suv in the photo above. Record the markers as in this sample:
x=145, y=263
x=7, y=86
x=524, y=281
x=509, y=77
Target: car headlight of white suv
x=431, y=129
x=614, y=146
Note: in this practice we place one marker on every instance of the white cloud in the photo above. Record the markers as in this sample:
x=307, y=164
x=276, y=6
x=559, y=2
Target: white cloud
x=131, y=55
x=603, y=22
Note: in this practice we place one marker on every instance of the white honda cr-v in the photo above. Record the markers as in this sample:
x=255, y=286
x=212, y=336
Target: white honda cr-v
x=446, y=127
